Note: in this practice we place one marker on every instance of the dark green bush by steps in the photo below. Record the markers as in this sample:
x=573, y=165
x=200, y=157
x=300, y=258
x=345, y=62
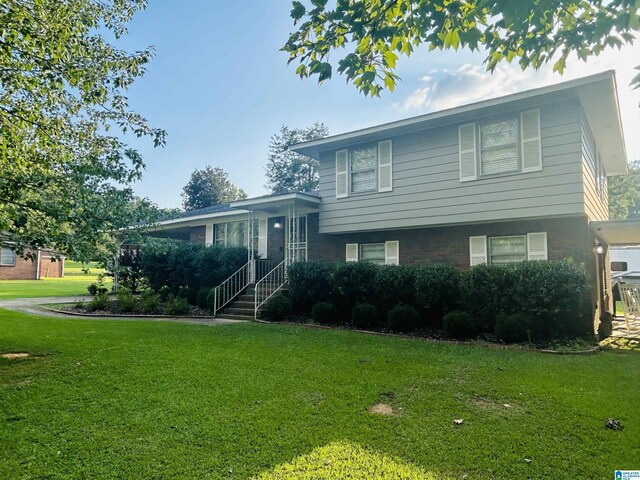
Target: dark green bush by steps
x=364, y=316
x=277, y=308
x=324, y=313
x=310, y=283
x=201, y=297
x=173, y=264
x=403, y=319
x=460, y=325
x=177, y=306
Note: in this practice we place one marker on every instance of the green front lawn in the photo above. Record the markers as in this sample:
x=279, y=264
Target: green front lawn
x=74, y=282
x=131, y=399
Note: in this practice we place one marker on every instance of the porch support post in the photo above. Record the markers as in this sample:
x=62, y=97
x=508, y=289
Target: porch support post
x=250, y=259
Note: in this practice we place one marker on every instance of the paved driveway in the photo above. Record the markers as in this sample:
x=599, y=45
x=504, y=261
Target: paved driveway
x=34, y=306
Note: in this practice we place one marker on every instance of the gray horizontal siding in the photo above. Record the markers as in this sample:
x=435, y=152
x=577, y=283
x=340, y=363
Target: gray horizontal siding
x=596, y=208
x=427, y=188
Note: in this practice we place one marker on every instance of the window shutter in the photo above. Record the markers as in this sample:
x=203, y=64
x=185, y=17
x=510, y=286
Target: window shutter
x=537, y=246
x=341, y=173
x=467, y=151
x=262, y=238
x=477, y=250
x=385, y=166
x=208, y=241
x=392, y=252
x=531, y=144
x=352, y=252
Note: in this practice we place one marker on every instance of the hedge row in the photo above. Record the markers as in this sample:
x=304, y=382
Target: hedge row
x=179, y=265
x=547, y=299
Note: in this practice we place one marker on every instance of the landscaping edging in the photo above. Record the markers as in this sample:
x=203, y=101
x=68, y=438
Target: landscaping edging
x=502, y=346
x=120, y=315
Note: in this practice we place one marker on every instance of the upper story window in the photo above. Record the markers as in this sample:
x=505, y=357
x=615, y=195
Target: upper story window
x=499, y=147
x=508, y=145
x=7, y=257
x=362, y=170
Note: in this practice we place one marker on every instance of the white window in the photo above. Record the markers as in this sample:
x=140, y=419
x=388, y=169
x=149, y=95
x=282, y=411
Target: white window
x=508, y=145
x=363, y=170
x=231, y=234
x=7, y=257
x=373, y=252
x=386, y=253
x=499, y=147
x=507, y=249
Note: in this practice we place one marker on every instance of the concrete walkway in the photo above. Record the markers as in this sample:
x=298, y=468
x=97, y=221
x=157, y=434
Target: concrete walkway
x=34, y=306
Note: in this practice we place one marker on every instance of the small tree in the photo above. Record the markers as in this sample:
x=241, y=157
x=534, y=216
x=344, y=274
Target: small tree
x=209, y=186
x=289, y=171
x=624, y=194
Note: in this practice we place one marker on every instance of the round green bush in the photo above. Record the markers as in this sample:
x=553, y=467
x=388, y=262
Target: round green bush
x=128, y=303
x=277, y=308
x=176, y=306
x=201, y=297
x=324, y=313
x=404, y=318
x=364, y=315
x=460, y=325
x=513, y=328
x=190, y=294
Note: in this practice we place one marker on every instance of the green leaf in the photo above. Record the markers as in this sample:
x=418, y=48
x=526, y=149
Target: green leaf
x=298, y=10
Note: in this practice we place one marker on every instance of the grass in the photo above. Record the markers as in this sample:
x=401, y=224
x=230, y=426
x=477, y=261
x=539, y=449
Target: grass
x=130, y=399
x=73, y=283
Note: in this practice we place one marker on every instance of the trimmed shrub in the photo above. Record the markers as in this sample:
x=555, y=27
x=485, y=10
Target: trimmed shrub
x=324, y=313
x=404, y=318
x=177, y=306
x=127, y=302
x=437, y=290
x=514, y=328
x=364, y=315
x=277, y=308
x=149, y=302
x=393, y=284
x=202, y=297
x=352, y=282
x=92, y=289
x=460, y=325
x=553, y=295
x=99, y=302
x=309, y=283
x=190, y=294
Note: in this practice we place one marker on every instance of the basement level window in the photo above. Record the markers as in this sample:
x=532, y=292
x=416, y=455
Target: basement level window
x=372, y=252
x=507, y=249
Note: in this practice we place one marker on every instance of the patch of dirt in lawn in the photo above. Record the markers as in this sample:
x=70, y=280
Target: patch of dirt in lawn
x=486, y=403
x=11, y=356
x=314, y=398
x=382, y=409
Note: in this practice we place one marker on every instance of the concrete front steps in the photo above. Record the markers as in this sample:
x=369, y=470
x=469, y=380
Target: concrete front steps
x=242, y=307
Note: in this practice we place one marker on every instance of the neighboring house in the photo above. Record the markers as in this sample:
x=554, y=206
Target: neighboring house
x=46, y=264
x=503, y=180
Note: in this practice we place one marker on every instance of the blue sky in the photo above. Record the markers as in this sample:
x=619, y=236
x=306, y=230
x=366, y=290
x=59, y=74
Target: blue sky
x=220, y=87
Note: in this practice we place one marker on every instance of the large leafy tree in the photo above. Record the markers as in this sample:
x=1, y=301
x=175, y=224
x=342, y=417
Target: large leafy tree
x=209, y=186
x=624, y=194
x=65, y=167
x=374, y=33
x=289, y=171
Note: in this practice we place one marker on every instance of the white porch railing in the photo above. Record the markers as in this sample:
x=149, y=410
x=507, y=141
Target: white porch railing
x=630, y=296
x=268, y=285
x=234, y=285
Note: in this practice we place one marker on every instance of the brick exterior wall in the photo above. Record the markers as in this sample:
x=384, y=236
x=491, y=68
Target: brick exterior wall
x=28, y=269
x=198, y=234
x=566, y=238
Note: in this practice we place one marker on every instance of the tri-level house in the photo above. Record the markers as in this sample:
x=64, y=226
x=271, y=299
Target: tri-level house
x=520, y=177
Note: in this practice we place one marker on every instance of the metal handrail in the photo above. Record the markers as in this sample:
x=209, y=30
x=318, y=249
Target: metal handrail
x=230, y=288
x=277, y=276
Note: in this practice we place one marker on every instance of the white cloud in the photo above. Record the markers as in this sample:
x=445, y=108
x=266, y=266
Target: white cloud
x=447, y=88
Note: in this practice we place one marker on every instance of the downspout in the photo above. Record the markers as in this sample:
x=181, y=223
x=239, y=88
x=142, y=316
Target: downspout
x=38, y=265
